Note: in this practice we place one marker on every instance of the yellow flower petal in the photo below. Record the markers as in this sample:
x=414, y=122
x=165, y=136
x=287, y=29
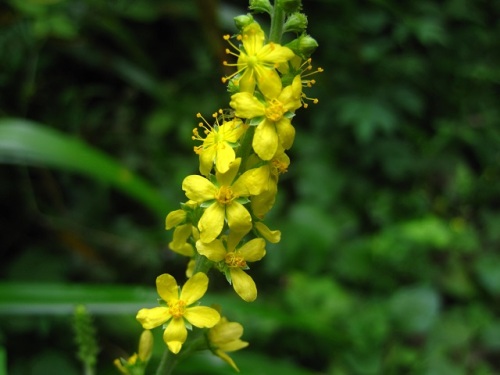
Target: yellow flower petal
x=246, y=105
x=269, y=82
x=265, y=140
x=215, y=250
x=273, y=236
x=238, y=218
x=253, y=38
x=262, y=203
x=211, y=222
x=243, y=284
x=253, y=250
x=167, y=287
x=225, y=156
x=194, y=288
x=286, y=132
x=198, y=188
x=227, y=178
x=175, y=335
x=206, y=161
x=252, y=182
x=181, y=234
x=174, y=218
x=202, y=316
x=152, y=318
x=275, y=53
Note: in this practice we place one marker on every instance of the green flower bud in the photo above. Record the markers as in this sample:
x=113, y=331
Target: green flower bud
x=290, y=6
x=296, y=22
x=243, y=20
x=303, y=46
x=261, y=6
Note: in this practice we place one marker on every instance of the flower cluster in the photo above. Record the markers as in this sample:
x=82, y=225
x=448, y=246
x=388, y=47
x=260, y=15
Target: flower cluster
x=242, y=154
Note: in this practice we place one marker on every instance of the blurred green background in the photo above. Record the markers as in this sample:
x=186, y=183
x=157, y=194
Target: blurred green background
x=390, y=220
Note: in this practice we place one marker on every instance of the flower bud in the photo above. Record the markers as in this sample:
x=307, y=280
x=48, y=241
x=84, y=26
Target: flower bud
x=145, y=345
x=303, y=46
x=243, y=20
x=296, y=22
x=290, y=6
x=261, y=6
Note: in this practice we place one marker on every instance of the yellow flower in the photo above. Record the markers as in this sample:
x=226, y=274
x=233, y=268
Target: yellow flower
x=183, y=229
x=225, y=337
x=233, y=262
x=224, y=200
x=278, y=165
x=217, y=147
x=178, y=310
x=275, y=128
x=257, y=61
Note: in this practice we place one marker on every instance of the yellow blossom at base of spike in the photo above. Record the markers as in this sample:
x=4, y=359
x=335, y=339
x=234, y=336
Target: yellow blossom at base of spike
x=178, y=308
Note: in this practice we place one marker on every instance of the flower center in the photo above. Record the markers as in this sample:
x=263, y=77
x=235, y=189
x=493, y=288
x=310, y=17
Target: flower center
x=234, y=260
x=224, y=195
x=275, y=110
x=278, y=167
x=177, y=309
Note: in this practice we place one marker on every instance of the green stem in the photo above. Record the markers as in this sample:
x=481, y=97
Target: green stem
x=202, y=264
x=167, y=364
x=245, y=148
x=277, y=22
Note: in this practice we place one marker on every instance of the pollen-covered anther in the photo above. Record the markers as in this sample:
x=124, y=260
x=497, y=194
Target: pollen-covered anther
x=275, y=110
x=224, y=195
x=177, y=308
x=234, y=260
x=279, y=167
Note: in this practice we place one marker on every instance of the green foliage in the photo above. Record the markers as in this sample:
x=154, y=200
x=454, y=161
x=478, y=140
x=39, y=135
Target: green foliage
x=388, y=262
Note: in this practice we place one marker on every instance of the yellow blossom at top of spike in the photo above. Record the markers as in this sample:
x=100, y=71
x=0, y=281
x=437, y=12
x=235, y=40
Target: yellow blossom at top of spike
x=275, y=129
x=178, y=308
x=217, y=147
x=224, y=199
x=225, y=337
x=257, y=60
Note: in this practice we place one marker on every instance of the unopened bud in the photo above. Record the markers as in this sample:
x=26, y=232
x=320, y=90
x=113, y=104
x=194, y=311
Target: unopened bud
x=303, y=46
x=296, y=22
x=261, y=6
x=145, y=345
x=243, y=20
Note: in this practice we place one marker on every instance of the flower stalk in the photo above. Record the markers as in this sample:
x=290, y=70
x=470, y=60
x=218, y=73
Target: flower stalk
x=242, y=153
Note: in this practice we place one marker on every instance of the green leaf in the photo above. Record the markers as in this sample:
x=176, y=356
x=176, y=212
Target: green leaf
x=27, y=143
x=56, y=299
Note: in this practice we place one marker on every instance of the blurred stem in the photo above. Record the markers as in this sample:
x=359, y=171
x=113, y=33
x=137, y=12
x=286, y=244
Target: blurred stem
x=167, y=364
x=170, y=360
x=277, y=22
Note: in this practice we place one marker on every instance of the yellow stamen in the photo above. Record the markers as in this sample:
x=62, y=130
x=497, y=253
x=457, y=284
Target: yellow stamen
x=275, y=110
x=177, y=308
x=234, y=260
x=224, y=195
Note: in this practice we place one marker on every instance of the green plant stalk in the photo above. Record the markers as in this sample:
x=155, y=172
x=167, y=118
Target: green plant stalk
x=169, y=360
x=277, y=23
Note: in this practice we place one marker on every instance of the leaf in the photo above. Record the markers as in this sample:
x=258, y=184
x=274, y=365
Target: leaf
x=24, y=142
x=56, y=299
